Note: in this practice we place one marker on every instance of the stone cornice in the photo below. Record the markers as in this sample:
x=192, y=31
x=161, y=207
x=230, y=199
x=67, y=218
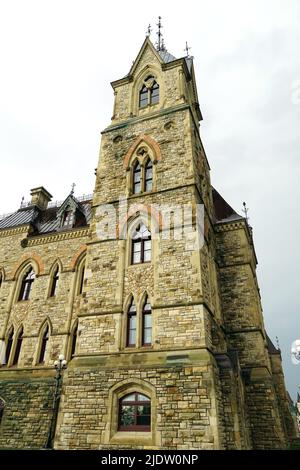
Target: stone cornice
x=57, y=237
x=227, y=226
x=14, y=231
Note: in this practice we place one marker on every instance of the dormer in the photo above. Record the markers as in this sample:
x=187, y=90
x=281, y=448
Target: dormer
x=71, y=214
x=156, y=81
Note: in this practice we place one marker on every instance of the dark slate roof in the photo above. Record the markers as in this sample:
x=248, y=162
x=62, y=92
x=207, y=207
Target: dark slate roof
x=271, y=347
x=45, y=221
x=21, y=217
x=223, y=211
x=166, y=56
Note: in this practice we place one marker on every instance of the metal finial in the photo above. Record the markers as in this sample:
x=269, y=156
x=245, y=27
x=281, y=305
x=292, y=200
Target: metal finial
x=149, y=29
x=246, y=210
x=277, y=343
x=186, y=49
x=163, y=47
x=159, y=34
x=22, y=202
x=72, y=190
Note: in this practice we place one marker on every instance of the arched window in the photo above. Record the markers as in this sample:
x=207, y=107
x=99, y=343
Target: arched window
x=81, y=278
x=9, y=344
x=18, y=348
x=2, y=406
x=74, y=341
x=148, y=175
x=135, y=412
x=43, y=347
x=54, y=282
x=131, y=325
x=26, y=285
x=136, y=178
x=141, y=245
x=147, y=324
x=149, y=93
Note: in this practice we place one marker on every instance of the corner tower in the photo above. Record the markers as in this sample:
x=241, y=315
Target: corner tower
x=154, y=366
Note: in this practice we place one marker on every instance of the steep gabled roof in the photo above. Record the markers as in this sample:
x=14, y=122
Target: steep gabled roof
x=223, y=211
x=271, y=347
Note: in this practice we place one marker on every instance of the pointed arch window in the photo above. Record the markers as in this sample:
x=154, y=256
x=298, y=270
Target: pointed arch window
x=18, y=348
x=43, y=347
x=136, y=177
x=74, y=340
x=135, y=412
x=147, y=323
x=2, y=406
x=54, y=282
x=131, y=325
x=81, y=278
x=149, y=93
x=9, y=344
x=26, y=285
x=148, y=175
x=141, y=245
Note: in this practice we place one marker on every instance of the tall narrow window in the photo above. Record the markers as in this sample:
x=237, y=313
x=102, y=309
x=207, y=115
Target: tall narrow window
x=0, y=280
x=18, y=348
x=149, y=93
x=143, y=97
x=154, y=93
x=54, y=282
x=81, y=279
x=135, y=412
x=141, y=245
x=136, y=178
x=43, y=347
x=26, y=285
x=147, y=324
x=74, y=341
x=131, y=325
x=2, y=406
x=9, y=344
x=148, y=175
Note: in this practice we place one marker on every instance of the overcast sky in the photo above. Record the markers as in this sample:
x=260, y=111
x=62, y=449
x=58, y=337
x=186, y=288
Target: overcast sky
x=57, y=59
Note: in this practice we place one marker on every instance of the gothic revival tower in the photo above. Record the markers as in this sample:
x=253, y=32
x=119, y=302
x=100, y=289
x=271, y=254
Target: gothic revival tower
x=165, y=327
x=149, y=289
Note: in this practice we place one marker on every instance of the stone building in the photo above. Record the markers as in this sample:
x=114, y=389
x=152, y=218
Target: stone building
x=157, y=311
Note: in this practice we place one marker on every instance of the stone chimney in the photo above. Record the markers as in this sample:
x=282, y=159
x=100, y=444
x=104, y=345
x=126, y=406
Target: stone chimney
x=40, y=197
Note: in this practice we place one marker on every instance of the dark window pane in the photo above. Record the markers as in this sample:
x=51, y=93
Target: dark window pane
x=154, y=93
x=143, y=97
x=143, y=420
x=9, y=346
x=18, y=348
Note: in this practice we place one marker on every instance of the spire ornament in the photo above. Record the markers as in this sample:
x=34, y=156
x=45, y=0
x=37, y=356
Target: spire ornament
x=186, y=50
x=159, y=34
x=149, y=29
